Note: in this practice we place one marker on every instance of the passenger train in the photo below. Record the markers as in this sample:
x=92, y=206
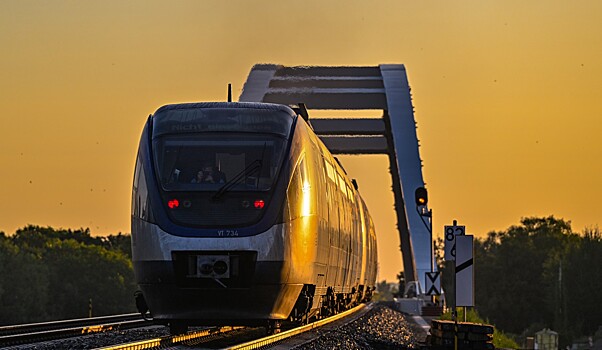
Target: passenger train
x=241, y=216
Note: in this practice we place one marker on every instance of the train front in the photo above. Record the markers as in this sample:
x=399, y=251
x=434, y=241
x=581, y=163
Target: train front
x=207, y=232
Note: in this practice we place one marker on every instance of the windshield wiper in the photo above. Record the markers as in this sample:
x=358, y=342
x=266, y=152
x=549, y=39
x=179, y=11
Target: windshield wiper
x=261, y=164
x=250, y=169
x=256, y=165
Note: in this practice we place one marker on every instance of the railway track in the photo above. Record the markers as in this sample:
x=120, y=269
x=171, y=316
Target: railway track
x=190, y=338
x=58, y=334
x=280, y=337
x=44, y=331
x=223, y=337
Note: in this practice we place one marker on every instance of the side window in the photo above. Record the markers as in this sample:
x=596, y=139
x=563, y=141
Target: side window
x=135, y=204
x=140, y=207
x=300, y=193
x=293, y=194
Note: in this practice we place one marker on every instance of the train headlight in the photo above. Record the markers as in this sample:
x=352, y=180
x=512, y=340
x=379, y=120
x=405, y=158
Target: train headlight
x=173, y=203
x=259, y=204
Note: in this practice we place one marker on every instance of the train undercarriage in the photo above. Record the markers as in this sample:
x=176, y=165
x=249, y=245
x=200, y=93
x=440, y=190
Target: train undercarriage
x=307, y=308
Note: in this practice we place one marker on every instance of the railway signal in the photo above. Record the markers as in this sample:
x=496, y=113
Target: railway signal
x=421, y=196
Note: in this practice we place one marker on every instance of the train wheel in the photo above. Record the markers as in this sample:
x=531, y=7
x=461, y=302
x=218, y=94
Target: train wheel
x=273, y=327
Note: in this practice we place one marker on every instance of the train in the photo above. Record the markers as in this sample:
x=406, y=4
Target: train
x=241, y=216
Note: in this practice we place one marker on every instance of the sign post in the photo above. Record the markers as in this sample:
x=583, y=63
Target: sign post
x=450, y=240
x=433, y=283
x=464, y=271
x=453, y=235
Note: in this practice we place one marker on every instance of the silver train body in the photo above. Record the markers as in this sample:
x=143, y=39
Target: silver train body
x=240, y=214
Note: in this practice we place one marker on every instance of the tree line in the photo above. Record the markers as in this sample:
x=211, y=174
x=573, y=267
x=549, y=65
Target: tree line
x=51, y=274
x=539, y=274
x=533, y=275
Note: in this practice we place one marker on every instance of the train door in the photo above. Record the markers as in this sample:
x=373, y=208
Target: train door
x=345, y=246
x=364, y=243
x=322, y=217
x=333, y=224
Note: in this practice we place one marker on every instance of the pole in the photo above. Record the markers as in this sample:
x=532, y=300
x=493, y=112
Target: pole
x=431, y=235
x=455, y=312
x=432, y=252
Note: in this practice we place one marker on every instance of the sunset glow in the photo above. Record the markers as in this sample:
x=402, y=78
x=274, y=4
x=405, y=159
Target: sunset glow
x=507, y=97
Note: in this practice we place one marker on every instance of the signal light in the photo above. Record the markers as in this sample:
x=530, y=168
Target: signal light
x=259, y=204
x=421, y=196
x=173, y=203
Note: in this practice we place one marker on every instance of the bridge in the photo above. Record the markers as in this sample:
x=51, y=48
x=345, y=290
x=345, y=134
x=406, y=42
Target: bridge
x=384, y=87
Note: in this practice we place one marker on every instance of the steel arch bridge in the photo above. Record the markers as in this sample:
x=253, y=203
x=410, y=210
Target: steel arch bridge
x=384, y=87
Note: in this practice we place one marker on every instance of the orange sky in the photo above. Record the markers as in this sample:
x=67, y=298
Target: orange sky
x=508, y=99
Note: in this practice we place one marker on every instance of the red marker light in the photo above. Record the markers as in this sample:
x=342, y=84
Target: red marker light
x=174, y=203
x=259, y=204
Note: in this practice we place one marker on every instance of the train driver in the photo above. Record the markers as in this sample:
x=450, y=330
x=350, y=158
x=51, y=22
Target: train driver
x=209, y=174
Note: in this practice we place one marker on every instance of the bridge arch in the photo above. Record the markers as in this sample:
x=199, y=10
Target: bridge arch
x=384, y=87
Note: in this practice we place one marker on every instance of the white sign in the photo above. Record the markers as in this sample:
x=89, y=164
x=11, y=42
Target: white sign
x=450, y=233
x=464, y=271
x=433, y=283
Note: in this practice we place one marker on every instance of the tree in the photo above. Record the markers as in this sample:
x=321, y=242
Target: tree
x=580, y=283
x=82, y=272
x=52, y=274
x=23, y=285
x=120, y=242
x=517, y=269
x=35, y=237
x=384, y=291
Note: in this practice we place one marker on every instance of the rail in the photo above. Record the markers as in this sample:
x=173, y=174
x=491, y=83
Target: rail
x=272, y=339
x=168, y=341
x=42, y=331
x=33, y=327
x=171, y=340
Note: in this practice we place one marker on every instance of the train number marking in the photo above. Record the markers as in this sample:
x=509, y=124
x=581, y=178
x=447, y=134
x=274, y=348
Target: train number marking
x=227, y=233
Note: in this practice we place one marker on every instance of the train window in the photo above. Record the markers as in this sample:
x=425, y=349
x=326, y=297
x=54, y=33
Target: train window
x=342, y=186
x=350, y=194
x=202, y=162
x=330, y=171
x=301, y=197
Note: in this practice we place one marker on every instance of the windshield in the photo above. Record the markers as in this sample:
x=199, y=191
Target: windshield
x=214, y=162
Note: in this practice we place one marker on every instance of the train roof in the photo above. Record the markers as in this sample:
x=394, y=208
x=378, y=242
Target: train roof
x=223, y=117
x=227, y=105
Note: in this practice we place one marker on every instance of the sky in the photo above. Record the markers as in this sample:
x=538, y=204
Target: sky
x=507, y=97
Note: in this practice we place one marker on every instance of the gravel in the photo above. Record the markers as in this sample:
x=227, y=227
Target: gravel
x=380, y=328
x=98, y=340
